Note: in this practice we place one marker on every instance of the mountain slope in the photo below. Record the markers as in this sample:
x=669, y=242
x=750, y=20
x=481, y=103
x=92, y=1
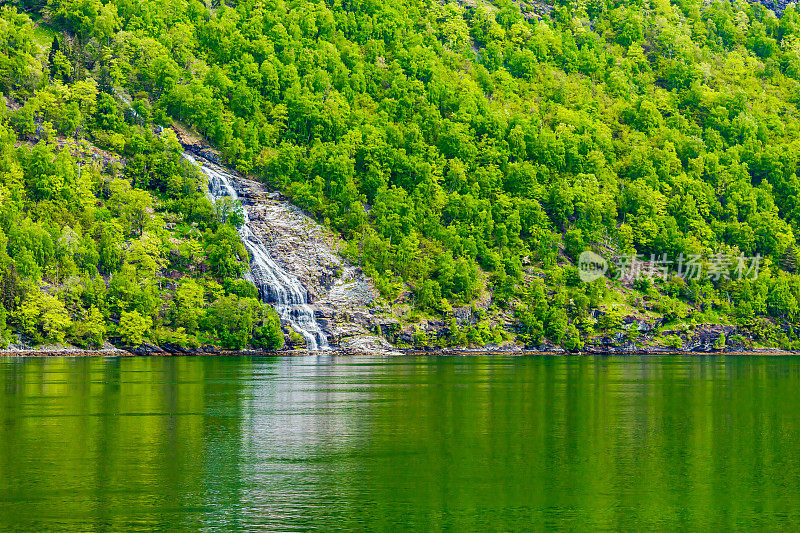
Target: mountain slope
x=468, y=154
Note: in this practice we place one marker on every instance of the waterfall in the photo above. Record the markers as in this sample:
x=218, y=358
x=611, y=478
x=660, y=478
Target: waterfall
x=276, y=286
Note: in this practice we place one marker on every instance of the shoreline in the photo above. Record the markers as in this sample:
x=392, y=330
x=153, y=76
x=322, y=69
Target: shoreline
x=117, y=352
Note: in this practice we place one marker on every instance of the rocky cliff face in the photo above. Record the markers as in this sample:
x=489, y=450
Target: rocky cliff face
x=342, y=295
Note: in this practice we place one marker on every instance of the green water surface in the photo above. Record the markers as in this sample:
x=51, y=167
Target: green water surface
x=455, y=443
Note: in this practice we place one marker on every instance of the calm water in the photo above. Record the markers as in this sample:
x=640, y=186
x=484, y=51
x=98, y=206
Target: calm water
x=427, y=444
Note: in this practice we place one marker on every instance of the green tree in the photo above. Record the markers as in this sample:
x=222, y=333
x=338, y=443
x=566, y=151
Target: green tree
x=225, y=252
x=131, y=204
x=571, y=340
x=43, y=317
x=90, y=331
x=267, y=334
x=556, y=326
x=187, y=307
x=133, y=328
x=231, y=319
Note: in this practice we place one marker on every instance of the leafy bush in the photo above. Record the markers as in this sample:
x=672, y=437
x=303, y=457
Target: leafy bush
x=133, y=328
x=43, y=317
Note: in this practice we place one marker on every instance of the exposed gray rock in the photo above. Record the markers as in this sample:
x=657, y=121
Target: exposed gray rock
x=147, y=349
x=463, y=315
x=21, y=348
x=369, y=344
x=305, y=249
x=343, y=330
x=340, y=292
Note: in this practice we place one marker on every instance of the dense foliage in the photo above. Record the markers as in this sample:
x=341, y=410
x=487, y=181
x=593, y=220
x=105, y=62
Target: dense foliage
x=95, y=245
x=461, y=149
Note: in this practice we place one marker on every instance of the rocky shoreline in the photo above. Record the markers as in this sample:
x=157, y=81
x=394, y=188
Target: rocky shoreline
x=156, y=351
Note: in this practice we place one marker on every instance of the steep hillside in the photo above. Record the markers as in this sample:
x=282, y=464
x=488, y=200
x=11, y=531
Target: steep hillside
x=469, y=153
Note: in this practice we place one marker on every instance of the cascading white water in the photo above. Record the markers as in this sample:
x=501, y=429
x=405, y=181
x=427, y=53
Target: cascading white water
x=276, y=286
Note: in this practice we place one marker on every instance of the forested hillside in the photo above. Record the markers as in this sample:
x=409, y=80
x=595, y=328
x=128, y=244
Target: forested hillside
x=467, y=153
x=84, y=247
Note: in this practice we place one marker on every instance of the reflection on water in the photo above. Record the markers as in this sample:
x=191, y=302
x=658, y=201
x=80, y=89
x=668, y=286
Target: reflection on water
x=426, y=443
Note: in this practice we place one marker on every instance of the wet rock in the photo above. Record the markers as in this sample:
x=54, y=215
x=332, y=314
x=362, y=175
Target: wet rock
x=340, y=292
x=327, y=313
x=405, y=337
x=21, y=347
x=178, y=349
x=146, y=349
x=369, y=344
x=505, y=348
x=628, y=347
x=547, y=347
x=305, y=249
